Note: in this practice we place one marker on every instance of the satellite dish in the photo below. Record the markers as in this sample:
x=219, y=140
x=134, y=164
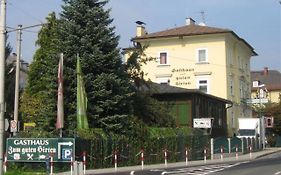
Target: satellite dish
x=140, y=23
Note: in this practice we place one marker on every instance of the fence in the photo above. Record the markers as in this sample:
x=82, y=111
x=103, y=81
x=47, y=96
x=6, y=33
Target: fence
x=101, y=152
x=105, y=152
x=235, y=145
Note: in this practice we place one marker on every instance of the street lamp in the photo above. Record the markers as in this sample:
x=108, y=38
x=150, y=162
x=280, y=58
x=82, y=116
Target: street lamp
x=262, y=126
x=257, y=84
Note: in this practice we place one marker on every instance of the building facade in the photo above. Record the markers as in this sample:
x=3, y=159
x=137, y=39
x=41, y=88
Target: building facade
x=188, y=104
x=12, y=59
x=213, y=60
x=271, y=79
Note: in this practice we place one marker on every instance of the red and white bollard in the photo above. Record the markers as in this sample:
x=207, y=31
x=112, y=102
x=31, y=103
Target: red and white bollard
x=165, y=154
x=51, y=164
x=221, y=152
x=71, y=165
x=5, y=163
x=186, y=156
x=236, y=152
x=84, y=162
x=250, y=148
x=142, y=159
x=115, y=160
x=205, y=155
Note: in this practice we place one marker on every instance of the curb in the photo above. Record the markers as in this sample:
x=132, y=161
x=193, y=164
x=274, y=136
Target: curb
x=244, y=157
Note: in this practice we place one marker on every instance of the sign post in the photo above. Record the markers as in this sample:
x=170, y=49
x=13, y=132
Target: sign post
x=38, y=149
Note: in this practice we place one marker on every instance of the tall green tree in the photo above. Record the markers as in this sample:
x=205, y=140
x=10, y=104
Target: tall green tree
x=9, y=84
x=38, y=103
x=274, y=110
x=86, y=29
x=146, y=108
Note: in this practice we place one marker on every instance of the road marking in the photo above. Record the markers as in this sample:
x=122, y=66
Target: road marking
x=279, y=172
x=132, y=173
x=155, y=170
x=201, y=170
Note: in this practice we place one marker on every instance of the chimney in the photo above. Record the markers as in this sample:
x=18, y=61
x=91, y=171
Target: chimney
x=189, y=21
x=265, y=71
x=141, y=30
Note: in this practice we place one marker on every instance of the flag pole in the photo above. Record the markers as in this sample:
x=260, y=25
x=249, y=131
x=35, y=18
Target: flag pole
x=60, y=110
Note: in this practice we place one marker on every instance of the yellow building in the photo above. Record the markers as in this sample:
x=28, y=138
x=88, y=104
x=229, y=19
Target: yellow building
x=272, y=84
x=214, y=60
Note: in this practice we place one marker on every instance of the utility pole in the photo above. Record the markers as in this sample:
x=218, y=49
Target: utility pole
x=19, y=40
x=16, y=102
x=2, y=78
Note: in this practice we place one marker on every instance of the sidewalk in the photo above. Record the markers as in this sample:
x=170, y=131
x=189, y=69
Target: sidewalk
x=244, y=157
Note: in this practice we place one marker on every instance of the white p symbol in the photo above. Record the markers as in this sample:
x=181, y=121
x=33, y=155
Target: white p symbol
x=67, y=153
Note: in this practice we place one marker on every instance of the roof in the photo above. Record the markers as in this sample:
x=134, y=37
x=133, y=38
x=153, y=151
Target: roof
x=191, y=30
x=271, y=79
x=162, y=89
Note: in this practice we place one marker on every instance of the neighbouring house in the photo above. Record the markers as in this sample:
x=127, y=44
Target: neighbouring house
x=214, y=60
x=23, y=69
x=272, y=84
x=188, y=104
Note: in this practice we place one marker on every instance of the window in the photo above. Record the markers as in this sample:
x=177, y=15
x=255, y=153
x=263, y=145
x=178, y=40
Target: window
x=203, y=85
x=231, y=86
x=232, y=120
x=163, y=80
x=240, y=63
x=202, y=55
x=230, y=59
x=163, y=58
x=242, y=89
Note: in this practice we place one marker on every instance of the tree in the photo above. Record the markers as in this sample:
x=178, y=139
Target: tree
x=85, y=29
x=9, y=84
x=146, y=108
x=38, y=103
x=274, y=110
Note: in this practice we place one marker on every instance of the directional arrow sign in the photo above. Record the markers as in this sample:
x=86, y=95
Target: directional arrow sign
x=60, y=144
x=38, y=149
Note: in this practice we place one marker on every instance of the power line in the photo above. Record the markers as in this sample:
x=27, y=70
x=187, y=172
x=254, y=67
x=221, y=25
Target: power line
x=24, y=12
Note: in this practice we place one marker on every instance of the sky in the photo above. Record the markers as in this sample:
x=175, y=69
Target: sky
x=258, y=22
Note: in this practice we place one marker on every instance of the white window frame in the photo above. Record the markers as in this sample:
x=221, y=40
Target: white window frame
x=206, y=55
x=159, y=58
x=163, y=80
x=207, y=84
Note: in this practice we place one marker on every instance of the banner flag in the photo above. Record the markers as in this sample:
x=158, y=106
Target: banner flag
x=82, y=121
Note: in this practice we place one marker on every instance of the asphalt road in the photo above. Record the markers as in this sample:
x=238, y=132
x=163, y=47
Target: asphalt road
x=268, y=165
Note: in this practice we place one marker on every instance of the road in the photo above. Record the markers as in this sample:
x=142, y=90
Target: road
x=268, y=165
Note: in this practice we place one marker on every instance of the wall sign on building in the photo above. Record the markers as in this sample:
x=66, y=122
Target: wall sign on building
x=202, y=123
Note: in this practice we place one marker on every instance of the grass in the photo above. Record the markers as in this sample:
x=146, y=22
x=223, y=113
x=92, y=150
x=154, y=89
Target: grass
x=16, y=172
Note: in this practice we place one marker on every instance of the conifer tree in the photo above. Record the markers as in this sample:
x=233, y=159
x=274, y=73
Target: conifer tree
x=38, y=103
x=9, y=84
x=85, y=29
